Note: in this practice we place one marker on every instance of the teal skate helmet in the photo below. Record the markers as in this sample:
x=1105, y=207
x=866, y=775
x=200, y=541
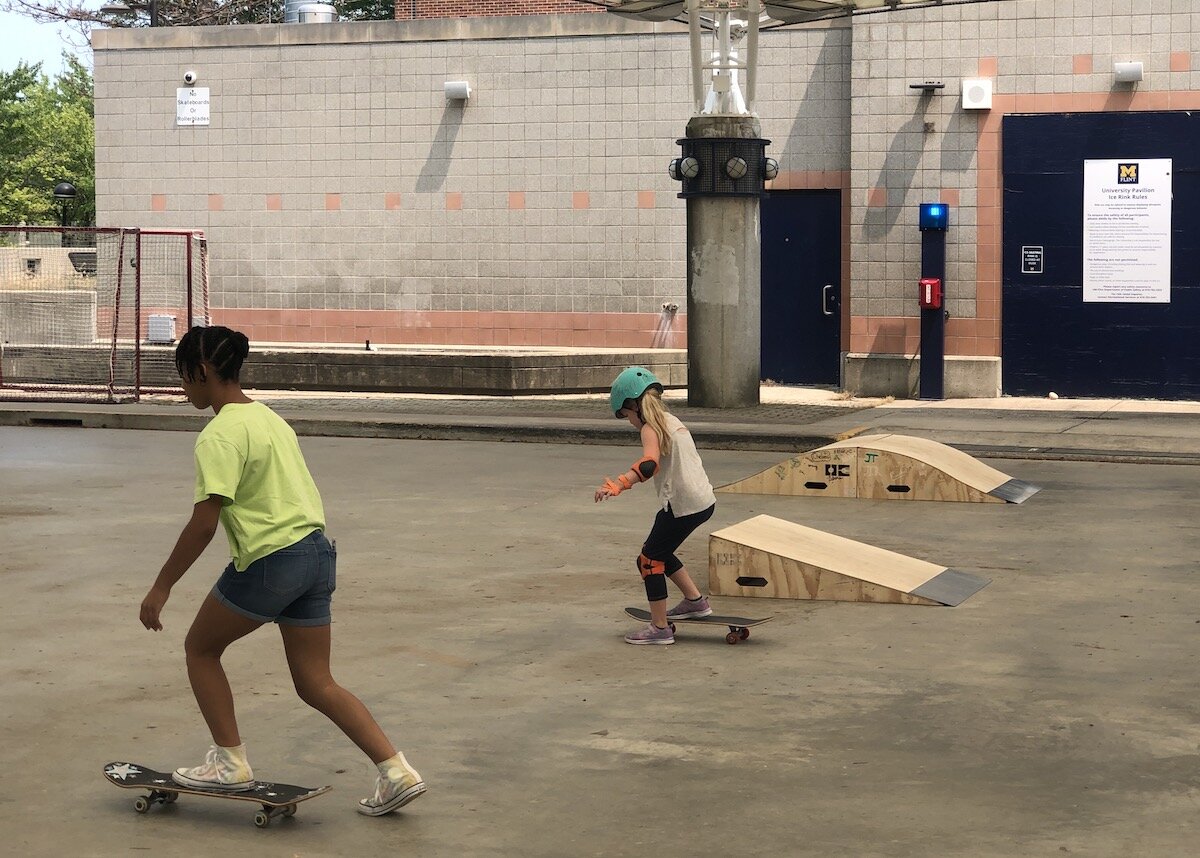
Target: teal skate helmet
x=631, y=384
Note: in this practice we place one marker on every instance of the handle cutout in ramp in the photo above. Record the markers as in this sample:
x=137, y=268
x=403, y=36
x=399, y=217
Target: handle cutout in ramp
x=743, y=581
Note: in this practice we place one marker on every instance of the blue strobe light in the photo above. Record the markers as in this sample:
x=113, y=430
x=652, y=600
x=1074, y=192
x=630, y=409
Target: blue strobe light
x=934, y=216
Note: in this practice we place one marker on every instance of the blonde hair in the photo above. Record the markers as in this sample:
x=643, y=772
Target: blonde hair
x=654, y=415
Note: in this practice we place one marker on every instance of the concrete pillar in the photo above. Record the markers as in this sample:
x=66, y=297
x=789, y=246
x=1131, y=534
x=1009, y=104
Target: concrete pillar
x=724, y=304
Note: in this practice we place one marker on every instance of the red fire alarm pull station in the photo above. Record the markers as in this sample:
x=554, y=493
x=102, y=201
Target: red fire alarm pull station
x=931, y=293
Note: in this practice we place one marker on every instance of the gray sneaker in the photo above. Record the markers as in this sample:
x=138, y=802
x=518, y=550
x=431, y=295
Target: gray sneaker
x=687, y=609
x=650, y=634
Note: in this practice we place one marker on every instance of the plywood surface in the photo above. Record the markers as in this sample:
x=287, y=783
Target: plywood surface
x=954, y=463
x=900, y=467
x=837, y=554
x=731, y=564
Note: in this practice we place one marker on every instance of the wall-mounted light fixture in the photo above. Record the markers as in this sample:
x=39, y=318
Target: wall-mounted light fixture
x=927, y=87
x=683, y=168
x=457, y=90
x=1128, y=72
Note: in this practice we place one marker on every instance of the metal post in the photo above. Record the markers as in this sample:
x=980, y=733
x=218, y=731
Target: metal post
x=137, y=320
x=933, y=321
x=188, y=241
x=750, y=61
x=693, y=13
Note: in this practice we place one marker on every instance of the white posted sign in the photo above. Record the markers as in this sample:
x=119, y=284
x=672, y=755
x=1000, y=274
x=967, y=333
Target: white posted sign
x=191, y=105
x=1127, y=231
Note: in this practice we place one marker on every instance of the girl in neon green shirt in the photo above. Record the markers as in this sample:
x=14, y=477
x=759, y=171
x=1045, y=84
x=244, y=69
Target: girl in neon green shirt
x=251, y=478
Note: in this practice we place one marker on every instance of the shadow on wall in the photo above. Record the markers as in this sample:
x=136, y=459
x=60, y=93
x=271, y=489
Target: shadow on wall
x=899, y=166
x=437, y=164
x=813, y=106
x=960, y=142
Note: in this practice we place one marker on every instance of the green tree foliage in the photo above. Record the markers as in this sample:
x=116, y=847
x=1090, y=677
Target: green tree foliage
x=365, y=10
x=84, y=14
x=47, y=136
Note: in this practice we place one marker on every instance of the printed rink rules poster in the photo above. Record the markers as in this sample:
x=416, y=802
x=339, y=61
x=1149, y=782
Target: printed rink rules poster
x=1127, y=231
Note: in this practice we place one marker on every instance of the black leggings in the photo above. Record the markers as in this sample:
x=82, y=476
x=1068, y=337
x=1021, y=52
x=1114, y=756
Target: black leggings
x=667, y=534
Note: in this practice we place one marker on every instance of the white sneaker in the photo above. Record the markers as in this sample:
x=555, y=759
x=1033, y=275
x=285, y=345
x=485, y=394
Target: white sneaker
x=223, y=768
x=397, y=785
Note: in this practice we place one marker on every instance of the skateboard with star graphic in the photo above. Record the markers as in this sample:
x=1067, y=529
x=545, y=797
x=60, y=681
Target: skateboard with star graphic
x=276, y=799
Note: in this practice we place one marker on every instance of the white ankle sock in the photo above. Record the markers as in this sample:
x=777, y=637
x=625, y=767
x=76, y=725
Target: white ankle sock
x=396, y=762
x=237, y=754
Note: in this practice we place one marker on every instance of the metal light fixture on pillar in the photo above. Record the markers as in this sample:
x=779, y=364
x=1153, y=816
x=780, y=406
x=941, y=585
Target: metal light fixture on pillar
x=65, y=193
x=724, y=257
x=722, y=169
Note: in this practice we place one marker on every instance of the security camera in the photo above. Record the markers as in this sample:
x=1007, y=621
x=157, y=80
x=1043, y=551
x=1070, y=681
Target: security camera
x=190, y=77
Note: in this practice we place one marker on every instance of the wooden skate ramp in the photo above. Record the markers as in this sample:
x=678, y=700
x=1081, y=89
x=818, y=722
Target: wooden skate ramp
x=770, y=558
x=887, y=466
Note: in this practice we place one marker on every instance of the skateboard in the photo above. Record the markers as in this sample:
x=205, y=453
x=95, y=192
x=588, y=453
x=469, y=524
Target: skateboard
x=739, y=627
x=276, y=799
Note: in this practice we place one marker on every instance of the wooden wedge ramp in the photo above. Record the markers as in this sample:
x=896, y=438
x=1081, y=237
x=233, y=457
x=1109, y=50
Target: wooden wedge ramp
x=771, y=558
x=887, y=466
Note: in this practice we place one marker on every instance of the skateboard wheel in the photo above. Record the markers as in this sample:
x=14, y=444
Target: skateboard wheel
x=261, y=819
x=140, y=804
x=672, y=625
x=732, y=638
x=170, y=798
x=290, y=810
x=743, y=633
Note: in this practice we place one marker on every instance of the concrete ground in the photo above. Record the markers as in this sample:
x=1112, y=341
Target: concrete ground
x=479, y=615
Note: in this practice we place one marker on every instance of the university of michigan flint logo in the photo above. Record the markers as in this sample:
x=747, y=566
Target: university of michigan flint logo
x=1127, y=174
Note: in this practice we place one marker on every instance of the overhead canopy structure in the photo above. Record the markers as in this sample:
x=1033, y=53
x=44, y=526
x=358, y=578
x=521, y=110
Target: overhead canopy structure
x=647, y=10
x=800, y=11
x=785, y=11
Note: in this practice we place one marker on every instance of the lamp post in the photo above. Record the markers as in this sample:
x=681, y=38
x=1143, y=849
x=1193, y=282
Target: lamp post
x=131, y=7
x=65, y=193
x=722, y=170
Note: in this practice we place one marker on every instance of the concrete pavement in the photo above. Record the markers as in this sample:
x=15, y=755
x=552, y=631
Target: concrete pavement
x=788, y=420
x=478, y=614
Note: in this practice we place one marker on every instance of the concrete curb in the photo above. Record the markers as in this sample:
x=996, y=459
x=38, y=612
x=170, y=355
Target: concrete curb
x=436, y=428
x=786, y=439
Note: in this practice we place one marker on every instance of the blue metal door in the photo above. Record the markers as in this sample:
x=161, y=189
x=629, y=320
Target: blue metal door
x=801, y=286
x=1052, y=340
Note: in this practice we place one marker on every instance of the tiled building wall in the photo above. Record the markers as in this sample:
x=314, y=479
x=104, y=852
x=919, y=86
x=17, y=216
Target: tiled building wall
x=1043, y=56
x=345, y=199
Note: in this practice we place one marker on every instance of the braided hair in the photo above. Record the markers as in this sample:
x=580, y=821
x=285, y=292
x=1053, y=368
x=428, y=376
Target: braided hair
x=222, y=348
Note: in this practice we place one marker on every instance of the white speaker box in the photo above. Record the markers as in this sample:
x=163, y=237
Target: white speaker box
x=976, y=94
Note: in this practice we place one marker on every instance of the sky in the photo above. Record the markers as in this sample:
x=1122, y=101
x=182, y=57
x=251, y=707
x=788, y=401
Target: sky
x=22, y=38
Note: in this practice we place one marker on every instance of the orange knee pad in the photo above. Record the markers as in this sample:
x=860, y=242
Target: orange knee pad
x=651, y=567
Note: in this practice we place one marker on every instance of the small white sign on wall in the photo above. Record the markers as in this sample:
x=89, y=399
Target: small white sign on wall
x=191, y=105
x=1127, y=231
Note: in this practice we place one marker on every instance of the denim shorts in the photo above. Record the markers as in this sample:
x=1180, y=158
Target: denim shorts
x=292, y=586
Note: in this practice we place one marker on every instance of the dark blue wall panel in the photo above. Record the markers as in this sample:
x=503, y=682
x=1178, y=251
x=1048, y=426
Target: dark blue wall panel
x=1052, y=340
